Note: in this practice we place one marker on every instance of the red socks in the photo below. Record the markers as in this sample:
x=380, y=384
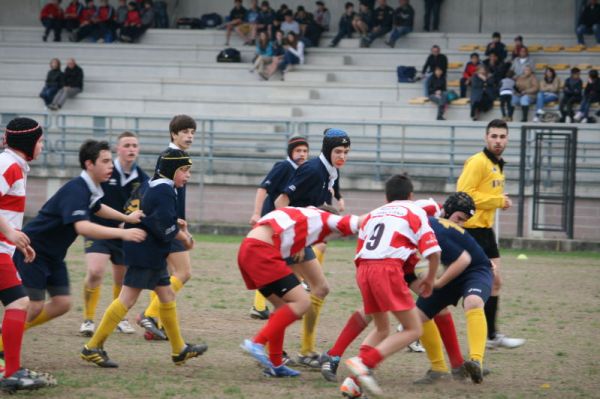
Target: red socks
x=13, y=326
x=274, y=332
x=445, y=325
x=355, y=325
x=369, y=356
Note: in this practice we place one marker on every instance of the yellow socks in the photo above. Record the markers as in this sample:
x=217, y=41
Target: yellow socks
x=476, y=334
x=309, y=326
x=40, y=319
x=91, y=296
x=113, y=315
x=116, y=290
x=432, y=342
x=153, y=309
x=260, y=302
x=168, y=316
x=320, y=255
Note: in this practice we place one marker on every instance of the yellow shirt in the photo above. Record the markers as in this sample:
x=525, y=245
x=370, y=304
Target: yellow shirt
x=483, y=179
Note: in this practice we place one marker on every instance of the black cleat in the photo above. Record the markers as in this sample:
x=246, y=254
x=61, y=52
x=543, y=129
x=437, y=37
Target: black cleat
x=474, y=370
x=98, y=356
x=189, y=352
x=151, y=327
x=24, y=379
x=260, y=314
x=329, y=366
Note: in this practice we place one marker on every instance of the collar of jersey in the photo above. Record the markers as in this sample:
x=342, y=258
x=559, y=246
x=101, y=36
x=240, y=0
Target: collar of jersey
x=500, y=162
x=126, y=179
x=19, y=160
x=333, y=173
x=96, y=190
x=294, y=164
x=162, y=180
x=174, y=146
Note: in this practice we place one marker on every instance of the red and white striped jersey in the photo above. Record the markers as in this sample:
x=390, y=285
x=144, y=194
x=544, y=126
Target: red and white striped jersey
x=431, y=207
x=13, y=178
x=394, y=232
x=298, y=228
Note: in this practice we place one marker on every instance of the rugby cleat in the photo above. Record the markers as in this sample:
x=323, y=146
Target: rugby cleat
x=351, y=389
x=151, y=327
x=474, y=370
x=87, y=328
x=189, y=352
x=502, y=341
x=459, y=373
x=125, y=327
x=281, y=371
x=329, y=366
x=416, y=347
x=311, y=361
x=257, y=351
x=98, y=356
x=433, y=377
x=24, y=379
x=259, y=314
x=364, y=375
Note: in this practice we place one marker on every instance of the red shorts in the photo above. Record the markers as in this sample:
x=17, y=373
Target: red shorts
x=382, y=286
x=9, y=277
x=261, y=263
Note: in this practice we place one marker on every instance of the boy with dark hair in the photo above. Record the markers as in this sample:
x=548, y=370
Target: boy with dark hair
x=591, y=94
x=434, y=60
x=106, y=22
x=126, y=177
x=345, y=27
x=387, y=238
x=383, y=18
x=147, y=262
x=470, y=70
x=497, y=47
x=51, y=17
x=404, y=18
x=571, y=95
x=72, y=15
x=270, y=188
x=87, y=22
x=237, y=16
x=181, y=130
x=24, y=143
x=264, y=21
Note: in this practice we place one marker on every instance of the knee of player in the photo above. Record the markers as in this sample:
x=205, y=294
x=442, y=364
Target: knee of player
x=497, y=281
x=416, y=331
x=473, y=302
x=62, y=304
x=184, y=276
x=94, y=274
x=19, y=304
x=321, y=290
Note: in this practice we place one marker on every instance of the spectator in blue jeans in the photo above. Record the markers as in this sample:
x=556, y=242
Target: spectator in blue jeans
x=591, y=94
x=589, y=22
x=435, y=59
x=293, y=55
x=437, y=92
x=383, y=17
x=549, y=89
x=55, y=80
x=404, y=18
x=345, y=28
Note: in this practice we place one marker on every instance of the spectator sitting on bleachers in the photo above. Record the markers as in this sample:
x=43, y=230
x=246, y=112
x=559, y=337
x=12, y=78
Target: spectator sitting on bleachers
x=73, y=85
x=497, y=47
x=496, y=68
x=132, y=27
x=507, y=89
x=280, y=14
x=470, y=70
x=248, y=28
x=589, y=22
x=591, y=94
x=51, y=17
x=289, y=24
x=303, y=18
x=54, y=82
x=121, y=14
x=571, y=95
x=523, y=61
x=434, y=60
x=264, y=53
x=106, y=22
x=322, y=16
x=72, y=13
x=436, y=91
x=278, y=48
x=549, y=89
x=483, y=92
x=363, y=21
x=404, y=18
x=264, y=21
x=527, y=87
x=345, y=28
x=383, y=17
x=147, y=16
x=237, y=16
x=518, y=45
x=294, y=53
x=87, y=23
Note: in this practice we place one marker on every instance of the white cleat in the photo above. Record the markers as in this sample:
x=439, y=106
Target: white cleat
x=351, y=390
x=416, y=347
x=502, y=341
x=364, y=375
x=125, y=328
x=87, y=328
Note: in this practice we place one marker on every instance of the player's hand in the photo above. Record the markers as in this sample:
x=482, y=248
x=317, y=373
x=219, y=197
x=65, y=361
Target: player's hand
x=18, y=238
x=341, y=205
x=298, y=257
x=507, y=202
x=188, y=243
x=182, y=224
x=135, y=235
x=254, y=219
x=29, y=253
x=134, y=217
x=425, y=287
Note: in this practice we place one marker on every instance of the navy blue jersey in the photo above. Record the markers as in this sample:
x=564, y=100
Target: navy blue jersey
x=275, y=183
x=52, y=231
x=117, y=191
x=454, y=240
x=180, y=191
x=309, y=185
x=159, y=204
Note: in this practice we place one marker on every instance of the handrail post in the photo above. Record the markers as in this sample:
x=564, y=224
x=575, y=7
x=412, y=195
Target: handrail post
x=211, y=127
x=378, y=159
x=452, y=149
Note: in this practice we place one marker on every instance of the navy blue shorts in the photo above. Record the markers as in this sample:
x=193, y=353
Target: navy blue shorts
x=42, y=275
x=114, y=248
x=177, y=246
x=476, y=281
x=146, y=278
x=309, y=254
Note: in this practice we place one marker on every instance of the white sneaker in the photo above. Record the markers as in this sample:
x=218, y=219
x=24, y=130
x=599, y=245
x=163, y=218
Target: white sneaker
x=578, y=117
x=416, y=347
x=536, y=119
x=364, y=375
x=350, y=389
x=568, y=119
x=124, y=327
x=87, y=328
x=502, y=341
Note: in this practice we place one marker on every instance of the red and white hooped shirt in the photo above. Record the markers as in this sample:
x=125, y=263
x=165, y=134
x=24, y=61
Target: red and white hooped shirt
x=13, y=179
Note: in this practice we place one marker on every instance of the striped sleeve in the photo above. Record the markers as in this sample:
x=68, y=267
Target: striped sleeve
x=12, y=174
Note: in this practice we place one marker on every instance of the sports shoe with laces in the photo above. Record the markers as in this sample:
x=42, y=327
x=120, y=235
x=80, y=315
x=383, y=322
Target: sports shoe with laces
x=24, y=379
x=98, y=356
x=125, y=327
x=311, y=360
x=351, y=389
x=151, y=326
x=280, y=371
x=87, y=328
x=502, y=341
x=474, y=370
x=459, y=373
x=433, y=377
x=416, y=347
x=364, y=375
x=329, y=366
x=257, y=351
x=190, y=351
x=260, y=314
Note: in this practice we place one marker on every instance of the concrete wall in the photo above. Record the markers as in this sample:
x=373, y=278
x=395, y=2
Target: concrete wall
x=462, y=16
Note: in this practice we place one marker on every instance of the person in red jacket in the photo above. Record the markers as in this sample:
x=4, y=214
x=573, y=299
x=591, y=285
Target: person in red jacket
x=72, y=13
x=87, y=22
x=470, y=70
x=106, y=22
x=132, y=27
x=51, y=17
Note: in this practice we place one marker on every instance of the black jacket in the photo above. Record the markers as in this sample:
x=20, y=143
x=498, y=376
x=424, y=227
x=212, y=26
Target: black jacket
x=499, y=49
x=435, y=61
x=592, y=91
x=383, y=17
x=404, y=16
x=498, y=71
x=436, y=84
x=573, y=87
x=74, y=77
x=55, y=78
x=481, y=88
x=590, y=16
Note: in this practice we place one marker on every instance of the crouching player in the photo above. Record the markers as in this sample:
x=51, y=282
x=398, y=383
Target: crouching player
x=388, y=237
x=276, y=238
x=147, y=262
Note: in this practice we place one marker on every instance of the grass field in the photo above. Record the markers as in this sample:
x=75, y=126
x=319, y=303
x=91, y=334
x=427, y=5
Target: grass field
x=551, y=299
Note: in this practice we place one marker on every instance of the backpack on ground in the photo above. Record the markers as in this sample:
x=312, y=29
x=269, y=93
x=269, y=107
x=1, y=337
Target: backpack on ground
x=229, y=55
x=211, y=20
x=189, y=23
x=406, y=74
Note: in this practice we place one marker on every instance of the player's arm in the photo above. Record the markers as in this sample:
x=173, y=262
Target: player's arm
x=282, y=201
x=469, y=181
x=99, y=232
x=106, y=212
x=15, y=236
x=430, y=249
x=261, y=194
x=454, y=270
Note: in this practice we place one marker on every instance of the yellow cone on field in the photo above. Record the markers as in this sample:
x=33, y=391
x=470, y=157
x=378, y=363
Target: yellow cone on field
x=522, y=257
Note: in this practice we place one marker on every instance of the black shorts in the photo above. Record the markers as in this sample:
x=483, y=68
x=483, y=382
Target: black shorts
x=486, y=239
x=114, y=248
x=146, y=278
x=177, y=246
x=476, y=281
x=280, y=287
x=309, y=254
x=42, y=275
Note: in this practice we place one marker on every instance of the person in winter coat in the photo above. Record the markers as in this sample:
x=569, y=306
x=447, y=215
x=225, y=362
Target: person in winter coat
x=470, y=70
x=54, y=82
